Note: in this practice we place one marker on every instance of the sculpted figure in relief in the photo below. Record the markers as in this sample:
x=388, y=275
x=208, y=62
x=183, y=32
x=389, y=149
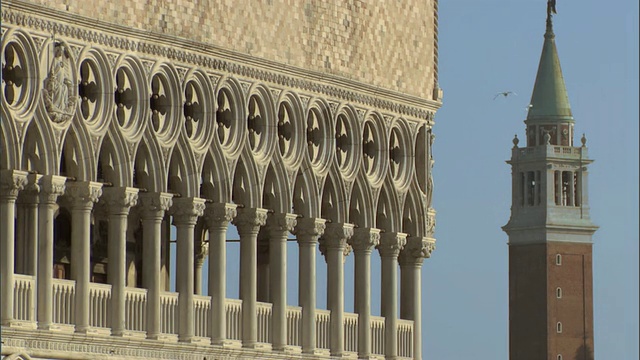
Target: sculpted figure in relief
x=432, y=138
x=58, y=87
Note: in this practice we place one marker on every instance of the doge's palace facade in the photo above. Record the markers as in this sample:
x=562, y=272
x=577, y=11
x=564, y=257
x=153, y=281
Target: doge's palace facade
x=294, y=121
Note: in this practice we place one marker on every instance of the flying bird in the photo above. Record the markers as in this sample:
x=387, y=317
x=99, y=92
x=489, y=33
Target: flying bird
x=504, y=93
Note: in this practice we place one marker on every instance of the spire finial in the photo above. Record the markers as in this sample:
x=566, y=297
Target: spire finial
x=551, y=9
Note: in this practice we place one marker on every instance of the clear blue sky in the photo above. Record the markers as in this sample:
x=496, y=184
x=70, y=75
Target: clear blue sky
x=492, y=46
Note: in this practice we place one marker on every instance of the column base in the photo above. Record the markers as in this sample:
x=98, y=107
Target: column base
x=90, y=330
x=57, y=327
x=226, y=343
x=20, y=324
x=257, y=346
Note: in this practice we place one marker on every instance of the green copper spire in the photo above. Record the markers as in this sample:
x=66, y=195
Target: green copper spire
x=549, y=100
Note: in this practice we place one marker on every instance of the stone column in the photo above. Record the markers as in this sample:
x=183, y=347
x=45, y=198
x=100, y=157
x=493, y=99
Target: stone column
x=82, y=196
x=411, y=258
x=571, y=191
x=308, y=230
x=389, y=248
x=27, y=250
x=11, y=182
x=248, y=223
x=201, y=251
x=218, y=216
x=263, y=287
x=152, y=210
x=118, y=202
x=185, y=213
x=279, y=226
x=334, y=247
x=51, y=187
x=363, y=242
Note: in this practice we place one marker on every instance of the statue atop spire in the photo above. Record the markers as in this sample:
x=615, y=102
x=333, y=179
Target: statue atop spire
x=551, y=9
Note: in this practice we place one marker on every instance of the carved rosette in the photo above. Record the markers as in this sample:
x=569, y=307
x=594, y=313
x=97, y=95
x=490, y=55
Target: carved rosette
x=119, y=200
x=391, y=244
x=185, y=211
x=279, y=225
x=336, y=236
x=218, y=215
x=416, y=250
x=11, y=183
x=154, y=205
x=364, y=239
x=308, y=230
x=249, y=221
x=83, y=194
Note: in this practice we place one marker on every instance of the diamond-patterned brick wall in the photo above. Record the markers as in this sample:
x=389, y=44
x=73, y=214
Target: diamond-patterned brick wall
x=385, y=43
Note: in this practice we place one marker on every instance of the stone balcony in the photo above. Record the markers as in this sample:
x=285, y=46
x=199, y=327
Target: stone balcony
x=136, y=298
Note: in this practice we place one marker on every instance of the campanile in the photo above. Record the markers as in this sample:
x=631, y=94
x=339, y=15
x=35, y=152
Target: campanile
x=550, y=230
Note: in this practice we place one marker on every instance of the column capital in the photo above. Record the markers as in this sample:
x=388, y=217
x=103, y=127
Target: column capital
x=308, y=230
x=200, y=251
x=186, y=211
x=51, y=186
x=154, y=205
x=280, y=224
x=11, y=183
x=31, y=192
x=119, y=200
x=218, y=215
x=83, y=194
x=364, y=239
x=336, y=236
x=250, y=220
x=391, y=243
x=416, y=250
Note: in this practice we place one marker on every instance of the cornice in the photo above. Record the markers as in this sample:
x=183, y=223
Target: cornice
x=214, y=58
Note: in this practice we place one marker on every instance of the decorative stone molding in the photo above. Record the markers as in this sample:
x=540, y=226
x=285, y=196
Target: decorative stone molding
x=416, y=250
x=214, y=58
x=336, y=236
x=279, y=225
x=51, y=186
x=391, y=244
x=187, y=210
x=154, y=205
x=250, y=220
x=309, y=229
x=365, y=239
x=119, y=200
x=218, y=215
x=11, y=183
x=83, y=194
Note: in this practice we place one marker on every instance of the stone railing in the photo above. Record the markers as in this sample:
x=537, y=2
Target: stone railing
x=135, y=315
x=23, y=297
x=377, y=335
x=135, y=301
x=64, y=301
x=554, y=151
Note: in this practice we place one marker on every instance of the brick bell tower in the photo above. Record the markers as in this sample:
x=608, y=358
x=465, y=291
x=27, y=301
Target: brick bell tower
x=550, y=245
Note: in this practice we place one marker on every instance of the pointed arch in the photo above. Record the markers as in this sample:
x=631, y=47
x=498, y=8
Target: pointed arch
x=387, y=214
x=413, y=215
x=77, y=158
x=246, y=187
x=114, y=165
x=148, y=173
x=215, y=178
x=361, y=204
x=10, y=150
x=334, y=203
x=276, y=193
x=305, y=193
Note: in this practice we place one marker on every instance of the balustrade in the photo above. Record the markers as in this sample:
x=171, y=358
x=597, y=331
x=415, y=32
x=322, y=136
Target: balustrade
x=23, y=298
x=234, y=319
x=294, y=325
x=323, y=322
x=169, y=312
x=351, y=332
x=64, y=301
x=99, y=305
x=135, y=309
x=135, y=314
x=202, y=307
x=377, y=335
